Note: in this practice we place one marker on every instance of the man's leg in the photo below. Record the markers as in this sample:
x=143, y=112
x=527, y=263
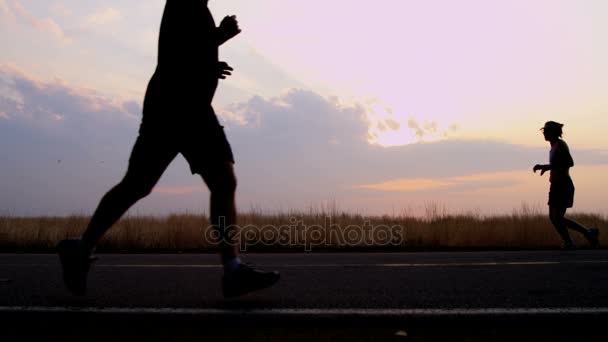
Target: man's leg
x=222, y=183
x=146, y=165
x=556, y=215
x=571, y=224
x=148, y=161
x=239, y=278
x=591, y=234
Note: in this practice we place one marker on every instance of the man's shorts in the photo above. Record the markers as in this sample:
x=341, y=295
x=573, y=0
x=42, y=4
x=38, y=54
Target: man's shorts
x=561, y=194
x=203, y=143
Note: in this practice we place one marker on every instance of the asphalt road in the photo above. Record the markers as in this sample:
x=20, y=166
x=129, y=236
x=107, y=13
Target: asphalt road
x=358, y=287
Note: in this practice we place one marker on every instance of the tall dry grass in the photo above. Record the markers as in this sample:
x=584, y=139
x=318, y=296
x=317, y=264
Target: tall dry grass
x=525, y=228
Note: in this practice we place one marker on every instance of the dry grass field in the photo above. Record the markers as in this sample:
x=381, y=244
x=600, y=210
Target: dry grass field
x=525, y=228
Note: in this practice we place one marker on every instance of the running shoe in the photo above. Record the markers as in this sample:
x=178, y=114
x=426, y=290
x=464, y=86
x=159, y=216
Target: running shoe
x=245, y=279
x=594, y=237
x=75, y=264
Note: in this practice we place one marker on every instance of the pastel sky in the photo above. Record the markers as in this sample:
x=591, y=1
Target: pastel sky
x=372, y=106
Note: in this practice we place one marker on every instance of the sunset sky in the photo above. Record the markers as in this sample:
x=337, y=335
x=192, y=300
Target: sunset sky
x=372, y=106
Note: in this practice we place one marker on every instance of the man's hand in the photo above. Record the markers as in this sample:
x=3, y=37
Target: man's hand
x=223, y=70
x=228, y=29
x=542, y=168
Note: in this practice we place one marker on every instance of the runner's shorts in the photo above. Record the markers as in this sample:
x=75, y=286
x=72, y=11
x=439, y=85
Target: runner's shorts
x=561, y=194
x=202, y=141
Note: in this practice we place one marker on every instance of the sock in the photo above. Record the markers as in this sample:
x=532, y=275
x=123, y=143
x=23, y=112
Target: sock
x=232, y=265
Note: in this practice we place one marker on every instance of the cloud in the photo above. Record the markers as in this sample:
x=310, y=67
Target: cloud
x=7, y=12
x=133, y=107
x=422, y=130
x=302, y=119
x=179, y=190
x=317, y=147
x=50, y=120
x=26, y=98
x=292, y=151
x=103, y=16
x=44, y=25
x=479, y=181
x=387, y=129
x=60, y=9
x=408, y=184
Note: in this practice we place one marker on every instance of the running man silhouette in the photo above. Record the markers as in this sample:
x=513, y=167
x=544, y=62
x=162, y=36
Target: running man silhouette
x=561, y=193
x=178, y=118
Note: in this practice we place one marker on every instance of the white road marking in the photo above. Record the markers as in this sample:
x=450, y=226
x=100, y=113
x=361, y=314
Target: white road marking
x=156, y=266
x=336, y=265
x=294, y=312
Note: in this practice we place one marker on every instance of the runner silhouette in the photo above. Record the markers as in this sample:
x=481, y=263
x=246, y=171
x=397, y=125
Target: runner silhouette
x=561, y=193
x=178, y=118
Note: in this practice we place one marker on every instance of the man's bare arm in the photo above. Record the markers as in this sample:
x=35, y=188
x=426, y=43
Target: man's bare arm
x=223, y=70
x=228, y=29
x=542, y=168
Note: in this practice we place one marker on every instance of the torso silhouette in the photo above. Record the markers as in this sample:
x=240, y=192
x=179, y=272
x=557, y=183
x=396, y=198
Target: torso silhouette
x=561, y=161
x=186, y=78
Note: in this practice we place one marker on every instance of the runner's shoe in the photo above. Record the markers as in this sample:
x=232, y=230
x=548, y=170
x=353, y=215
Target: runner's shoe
x=75, y=264
x=569, y=246
x=594, y=237
x=247, y=279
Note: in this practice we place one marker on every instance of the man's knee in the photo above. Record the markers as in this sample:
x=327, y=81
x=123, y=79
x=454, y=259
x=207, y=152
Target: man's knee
x=557, y=221
x=225, y=185
x=554, y=220
x=556, y=215
x=222, y=182
x=553, y=217
x=136, y=188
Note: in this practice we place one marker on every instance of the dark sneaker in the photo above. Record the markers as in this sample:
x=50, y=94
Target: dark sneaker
x=247, y=279
x=594, y=237
x=75, y=263
x=569, y=246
